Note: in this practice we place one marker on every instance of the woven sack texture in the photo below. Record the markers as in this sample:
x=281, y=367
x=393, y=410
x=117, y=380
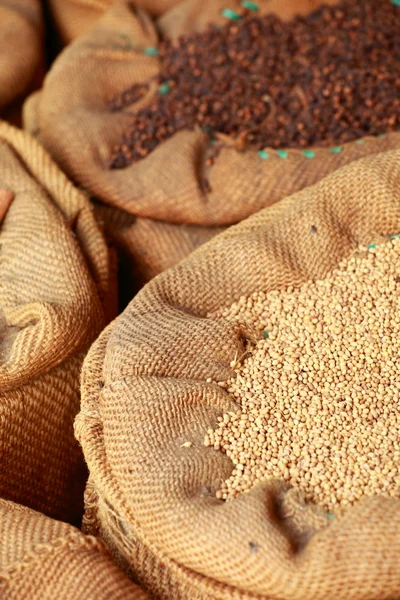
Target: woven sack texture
x=42, y=559
x=145, y=393
x=75, y=123
x=21, y=49
x=55, y=297
x=147, y=247
x=74, y=17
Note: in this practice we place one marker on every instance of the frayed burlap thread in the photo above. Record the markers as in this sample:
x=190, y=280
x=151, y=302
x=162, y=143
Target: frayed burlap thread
x=146, y=392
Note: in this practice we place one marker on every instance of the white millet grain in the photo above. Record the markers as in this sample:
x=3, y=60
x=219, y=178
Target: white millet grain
x=319, y=396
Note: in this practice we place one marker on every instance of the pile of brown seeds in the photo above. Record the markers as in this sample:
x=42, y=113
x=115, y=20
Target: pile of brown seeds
x=325, y=79
x=319, y=395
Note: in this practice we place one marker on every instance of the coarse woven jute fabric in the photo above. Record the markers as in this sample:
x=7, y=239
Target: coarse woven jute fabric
x=43, y=559
x=147, y=247
x=72, y=18
x=21, y=48
x=55, y=297
x=74, y=121
x=146, y=391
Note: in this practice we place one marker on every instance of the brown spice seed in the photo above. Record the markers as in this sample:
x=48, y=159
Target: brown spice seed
x=324, y=79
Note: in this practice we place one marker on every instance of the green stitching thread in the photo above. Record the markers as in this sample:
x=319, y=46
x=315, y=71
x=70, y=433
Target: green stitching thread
x=359, y=142
x=282, y=153
x=336, y=149
x=250, y=5
x=309, y=153
x=230, y=14
x=263, y=154
x=164, y=88
x=151, y=51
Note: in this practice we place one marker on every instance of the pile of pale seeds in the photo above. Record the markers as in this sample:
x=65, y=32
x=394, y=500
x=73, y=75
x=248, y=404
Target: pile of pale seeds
x=318, y=396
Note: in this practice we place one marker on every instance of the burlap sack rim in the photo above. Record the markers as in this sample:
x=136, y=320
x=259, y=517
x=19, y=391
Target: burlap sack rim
x=71, y=540
x=61, y=191
x=115, y=186
x=44, y=316
x=68, y=541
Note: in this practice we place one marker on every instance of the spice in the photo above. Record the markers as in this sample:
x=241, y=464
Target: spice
x=320, y=80
x=318, y=398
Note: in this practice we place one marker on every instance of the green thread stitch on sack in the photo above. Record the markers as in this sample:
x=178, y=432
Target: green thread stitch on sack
x=309, y=153
x=396, y=2
x=330, y=515
x=151, y=51
x=164, y=88
x=282, y=153
x=266, y=334
x=336, y=149
x=381, y=136
x=359, y=142
x=263, y=154
x=396, y=235
x=370, y=246
x=230, y=14
x=250, y=5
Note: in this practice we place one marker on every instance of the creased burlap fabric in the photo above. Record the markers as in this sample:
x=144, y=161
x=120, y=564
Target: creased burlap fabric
x=75, y=123
x=147, y=247
x=74, y=17
x=55, y=297
x=145, y=394
x=42, y=559
x=21, y=48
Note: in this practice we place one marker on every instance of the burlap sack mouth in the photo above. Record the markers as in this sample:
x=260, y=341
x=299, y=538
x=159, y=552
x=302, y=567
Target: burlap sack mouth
x=76, y=124
x=55, y=297
x=19, y=62
x=42, y=559
x=146, y=394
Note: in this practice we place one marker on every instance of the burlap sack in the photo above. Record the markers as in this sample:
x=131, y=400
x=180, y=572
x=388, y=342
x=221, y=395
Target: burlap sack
x=74, y=17
x=21, y=50
x=145, y=393
x=147, y=247
x=55, y=297
x=75, y=123
x=42, y=559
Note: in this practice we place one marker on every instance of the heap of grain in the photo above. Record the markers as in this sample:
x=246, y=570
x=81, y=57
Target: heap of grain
x=324, y=79
x=318, y=395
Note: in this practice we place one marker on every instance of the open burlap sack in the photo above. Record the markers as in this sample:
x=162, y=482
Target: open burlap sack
x=21, y=50
x=42, y=559
x=55, y=297
x=146, y=392
x=75, y=122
